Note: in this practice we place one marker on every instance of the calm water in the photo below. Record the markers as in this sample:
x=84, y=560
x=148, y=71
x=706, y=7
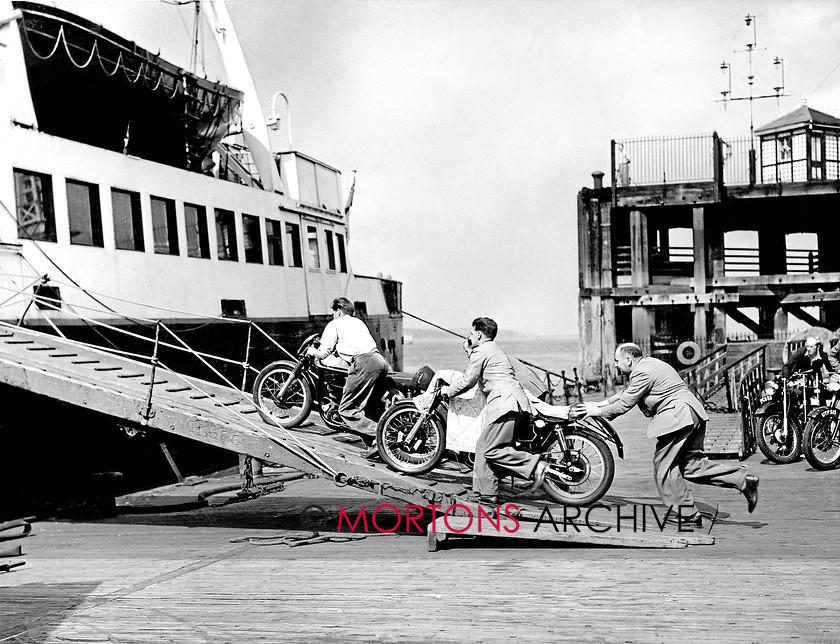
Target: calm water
x=445, y=352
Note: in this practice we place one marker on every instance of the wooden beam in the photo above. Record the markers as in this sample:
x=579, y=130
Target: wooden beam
x=639, y=249
x=810, y=298
x=740, y=317
x=797, y=189
x=774, y=280
x=677, y=194
x=699, y=246
x=802, y=315
x=676, y=299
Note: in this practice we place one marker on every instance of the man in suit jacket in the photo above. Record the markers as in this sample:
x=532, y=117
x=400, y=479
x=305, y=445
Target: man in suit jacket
x=507, y=407
x=679, y=426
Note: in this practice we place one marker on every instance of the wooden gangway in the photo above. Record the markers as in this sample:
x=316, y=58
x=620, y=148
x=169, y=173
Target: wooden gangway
x=140, y=395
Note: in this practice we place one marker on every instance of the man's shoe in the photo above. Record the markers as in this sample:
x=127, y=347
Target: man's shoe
x=751, y=491
x=480, y=499
x=539, y=475
x=694, y=522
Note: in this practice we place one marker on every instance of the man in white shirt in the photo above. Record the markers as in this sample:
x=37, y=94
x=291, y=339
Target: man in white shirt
x=347, y=338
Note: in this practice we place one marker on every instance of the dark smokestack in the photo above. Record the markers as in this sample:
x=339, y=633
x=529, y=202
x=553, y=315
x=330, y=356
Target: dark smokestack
x=598, y=176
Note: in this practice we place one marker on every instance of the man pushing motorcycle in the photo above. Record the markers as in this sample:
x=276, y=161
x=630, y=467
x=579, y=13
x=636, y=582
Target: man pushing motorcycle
x=507, y=408
x=679, y=426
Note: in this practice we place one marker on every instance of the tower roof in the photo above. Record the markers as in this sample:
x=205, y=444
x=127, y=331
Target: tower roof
x=800, y=116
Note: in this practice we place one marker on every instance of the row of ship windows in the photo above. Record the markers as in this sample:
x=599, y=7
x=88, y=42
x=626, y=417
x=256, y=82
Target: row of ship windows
x=36, y=221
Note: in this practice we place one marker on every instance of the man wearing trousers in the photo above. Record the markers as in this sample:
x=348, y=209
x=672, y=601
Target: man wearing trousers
x=347, y=339
x=679, y=426
x=507, y=408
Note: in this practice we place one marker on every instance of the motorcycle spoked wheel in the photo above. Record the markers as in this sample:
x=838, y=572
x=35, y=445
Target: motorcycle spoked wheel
x=297, y=401
x=779, y=445
x=592, y=468
x=821, y=442
x=427, y=448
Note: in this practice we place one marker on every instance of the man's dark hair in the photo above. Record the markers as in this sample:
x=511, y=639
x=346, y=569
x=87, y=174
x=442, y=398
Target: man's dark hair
x=630, y=350
x=343, y=304
x=487, y=326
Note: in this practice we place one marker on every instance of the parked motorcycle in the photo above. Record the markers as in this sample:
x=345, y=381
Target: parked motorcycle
x=285, y=391
x=821, y=438
x=784, y=407
x=581, y=465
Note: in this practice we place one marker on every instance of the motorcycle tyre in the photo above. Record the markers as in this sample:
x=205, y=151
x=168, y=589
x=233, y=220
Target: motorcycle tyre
x=768, y=451
x=561, y=496
x=431, y=462
x=285, y=367
x=812, y=427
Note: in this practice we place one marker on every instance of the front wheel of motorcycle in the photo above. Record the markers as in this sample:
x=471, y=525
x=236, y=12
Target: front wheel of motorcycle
x=582, y=475
x=287, y=408
x=425, y=450
x=821, y=440
x=780, y=444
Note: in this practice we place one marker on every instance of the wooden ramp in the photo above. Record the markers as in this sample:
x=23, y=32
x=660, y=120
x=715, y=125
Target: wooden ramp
x=119, y=387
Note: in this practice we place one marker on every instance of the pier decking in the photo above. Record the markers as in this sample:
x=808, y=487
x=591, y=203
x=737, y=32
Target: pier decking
x=178, y=577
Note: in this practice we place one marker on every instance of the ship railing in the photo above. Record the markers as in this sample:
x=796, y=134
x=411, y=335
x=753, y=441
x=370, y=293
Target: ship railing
x=43, y=304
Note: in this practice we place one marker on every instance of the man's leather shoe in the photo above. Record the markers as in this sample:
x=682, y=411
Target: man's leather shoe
x=751, y=491
x=480, y=499
x=694, y=522
x=539, y=474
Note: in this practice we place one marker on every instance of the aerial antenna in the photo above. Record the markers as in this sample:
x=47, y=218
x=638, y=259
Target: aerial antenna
x=778, y=89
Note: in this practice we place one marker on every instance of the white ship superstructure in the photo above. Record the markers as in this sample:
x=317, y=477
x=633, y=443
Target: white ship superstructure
x=118, y=173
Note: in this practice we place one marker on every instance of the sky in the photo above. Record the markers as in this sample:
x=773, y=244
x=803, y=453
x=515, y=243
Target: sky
x=472, y=125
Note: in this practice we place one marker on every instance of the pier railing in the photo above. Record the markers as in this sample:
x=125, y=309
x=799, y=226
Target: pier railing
x=695, y=158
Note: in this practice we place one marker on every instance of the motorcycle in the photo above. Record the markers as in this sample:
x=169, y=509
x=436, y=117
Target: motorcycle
x=783, y=409
x=581, y=465
x=821, y=438
x=285, y=391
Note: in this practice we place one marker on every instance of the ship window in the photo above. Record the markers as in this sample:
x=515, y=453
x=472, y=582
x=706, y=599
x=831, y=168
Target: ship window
x=198, y=241
x=274, y=241
x=293, y=236
x=342, y=258
x=307, y=181
x=47, y=298
x=251, y=237
x=234, y=309
x=128, y=220
x=226, y=235
x=34, y=200
x=164, y=229
x=330, y=249
x=327, y=188
x=84, y=214
x=312, y=241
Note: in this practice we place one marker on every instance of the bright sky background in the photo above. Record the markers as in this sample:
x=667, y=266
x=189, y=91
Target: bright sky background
x=472, y=125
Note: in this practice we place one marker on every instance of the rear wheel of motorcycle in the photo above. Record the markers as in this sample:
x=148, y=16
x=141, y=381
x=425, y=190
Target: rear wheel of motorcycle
x=779, y=446
x=821, y=441
x=592, y=468
x=425, y=452
x=296, y=404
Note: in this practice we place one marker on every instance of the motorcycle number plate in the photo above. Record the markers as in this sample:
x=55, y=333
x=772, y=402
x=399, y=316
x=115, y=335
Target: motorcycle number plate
x=833, y=411
x=764, y=399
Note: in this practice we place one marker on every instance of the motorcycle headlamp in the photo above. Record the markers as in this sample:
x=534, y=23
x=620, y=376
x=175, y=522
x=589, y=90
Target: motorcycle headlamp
x=770, y=388
x=833, y=384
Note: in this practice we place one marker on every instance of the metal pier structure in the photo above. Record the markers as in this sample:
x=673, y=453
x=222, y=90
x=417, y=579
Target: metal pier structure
x=140, y=395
